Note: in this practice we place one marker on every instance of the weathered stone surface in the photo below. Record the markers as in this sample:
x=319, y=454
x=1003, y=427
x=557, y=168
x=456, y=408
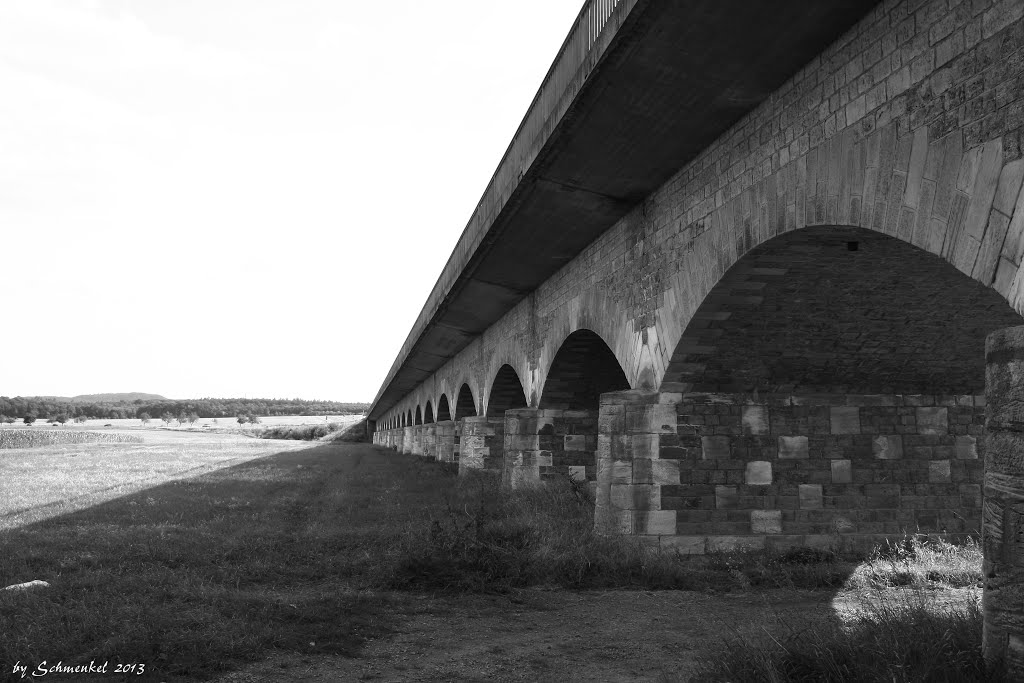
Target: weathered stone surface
x=755, y=420
x=932, y=420
x=887, y=446
x=842, y=472
x=758, y=473
x=714, y=447
x=766, y=521
x=810, y=496
x=793, y=447
x=845, y=420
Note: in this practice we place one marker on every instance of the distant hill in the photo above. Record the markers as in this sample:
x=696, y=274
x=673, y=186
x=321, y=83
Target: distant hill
x=113, y=398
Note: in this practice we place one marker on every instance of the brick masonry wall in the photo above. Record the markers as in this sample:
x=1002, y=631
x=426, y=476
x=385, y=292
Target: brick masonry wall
x=717, y=470
x=481, y=444
x=910, y=126
x=549, y=444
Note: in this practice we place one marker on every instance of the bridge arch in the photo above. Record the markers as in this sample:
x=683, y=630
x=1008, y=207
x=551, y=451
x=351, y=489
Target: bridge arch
x=583, y=368
x=465, y=404
x=444, y=413
x=419, y=416
x=601, y=315
x=829, y=309
x=506, y=392
x=428, y=413
x=949, y=196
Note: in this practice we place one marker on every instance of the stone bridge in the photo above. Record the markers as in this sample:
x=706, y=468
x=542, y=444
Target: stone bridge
x=736, y=270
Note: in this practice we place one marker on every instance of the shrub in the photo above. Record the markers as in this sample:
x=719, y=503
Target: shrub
x=900, y=635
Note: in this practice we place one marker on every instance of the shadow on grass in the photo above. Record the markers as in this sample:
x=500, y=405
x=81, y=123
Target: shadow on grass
x=194, y=576
x=302, y=552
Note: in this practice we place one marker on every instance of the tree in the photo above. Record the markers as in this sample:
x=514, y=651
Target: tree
x=145, y=417
x=181, y=418
x=63, y=419
x=192, y=418
x=6, y=420
x=167, y=418
x=81, y=419
x=29, y=419
x=254, y=419
x=242, y=419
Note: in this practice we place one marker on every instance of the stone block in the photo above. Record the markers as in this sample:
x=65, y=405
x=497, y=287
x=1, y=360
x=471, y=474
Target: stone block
x=792, y=447
x=842, y=472
x=635, y=497
x=726, y=497
x=685, y=545
x=758, y=473
x=614, y=471
x=644, y=445
x=843, y=524
x=522, y=442
x=656, y=522
x=725, y=544
x=647, y=471
x=575, y=442
x=659, y=418
x=714, y=447
x=966, y=448
x=932, y=420
x=755, y=420
x=766, y=521
x=887, y=446
x=938, y=472
x=665, y=472
x=578, y=472
x=810, y=496
x=844, y=419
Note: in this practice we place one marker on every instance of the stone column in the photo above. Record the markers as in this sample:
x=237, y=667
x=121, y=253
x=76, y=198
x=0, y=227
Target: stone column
x=481, y=444
x=522, y=458
x=417, y=440
x=407, y=439
x=457, y=441
x=444, y=441
x=430, y=441
x=1003, y=516
x=630, y=472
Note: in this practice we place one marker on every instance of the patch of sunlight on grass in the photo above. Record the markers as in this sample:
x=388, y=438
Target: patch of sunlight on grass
x=42, y=483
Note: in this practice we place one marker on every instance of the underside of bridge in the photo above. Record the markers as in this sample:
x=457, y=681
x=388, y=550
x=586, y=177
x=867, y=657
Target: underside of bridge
x=672, y=77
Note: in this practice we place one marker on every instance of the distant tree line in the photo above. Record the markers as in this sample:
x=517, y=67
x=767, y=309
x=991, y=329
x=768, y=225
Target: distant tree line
x=62, y=411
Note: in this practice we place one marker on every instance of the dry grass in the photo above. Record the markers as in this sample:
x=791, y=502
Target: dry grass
x=899, y=635
x=40, y=483
x=36, y=438
x=920, y=562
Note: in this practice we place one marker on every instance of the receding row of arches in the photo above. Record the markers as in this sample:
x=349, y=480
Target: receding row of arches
x=583, y=368
x=825, y=309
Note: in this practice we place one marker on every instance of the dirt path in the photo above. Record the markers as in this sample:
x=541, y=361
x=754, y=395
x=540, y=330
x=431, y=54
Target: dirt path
x=567, y=636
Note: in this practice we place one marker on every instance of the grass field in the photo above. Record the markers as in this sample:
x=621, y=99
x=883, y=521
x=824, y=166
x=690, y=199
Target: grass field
x=39, y=483
x=196, y=553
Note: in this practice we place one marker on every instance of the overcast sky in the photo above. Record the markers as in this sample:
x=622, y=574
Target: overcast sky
x=243, y=197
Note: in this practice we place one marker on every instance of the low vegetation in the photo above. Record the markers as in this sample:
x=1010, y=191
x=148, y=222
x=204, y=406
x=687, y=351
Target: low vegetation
x=32, y=438
x=311, y=551
x=900, y=635
x=328, y=431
